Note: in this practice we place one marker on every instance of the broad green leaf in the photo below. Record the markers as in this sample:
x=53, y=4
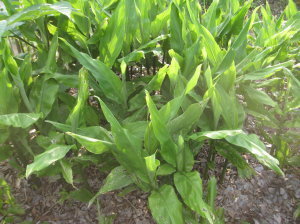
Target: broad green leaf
x=159, y=127
x=25, y=70
x=235, y=157
x=192, y=59
x=43, y=94
x=214, y=134
x=165, y=206
x=291, y=9
x=157, y=80
x=19, y=120
x=45, y=159
x=60, y=126
x=96, y=132
x=12, y=66
x=109, y=82
x=5, y=151
x=176, y=40
x=266, y=72
x=160, y=21
x=152, y=163
x=66, y=170
x=82, y=195
x=256, y=148
x=118, y=178
x=76, y=116
x=210, y=17
x=127, y=152
x=161, y=132
x=259, y=96
x=39, y=10
x=189, y=185
x=232, y=112
x=294, y=161
x=165, y=169
x=185, y=157
x=8, y=95
x=93, y=145
x=240, y=40
x=212, y=49
x=192, y=83
x=67, y=80
x=112, y=41
x=50, y=65
x=3, y=25
x=188, y=119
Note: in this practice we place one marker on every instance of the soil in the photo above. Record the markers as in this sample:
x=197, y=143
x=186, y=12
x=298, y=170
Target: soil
x=263, y=199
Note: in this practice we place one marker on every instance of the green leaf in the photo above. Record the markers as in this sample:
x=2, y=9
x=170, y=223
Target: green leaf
x=165, y=169
x=257, y=149
x=161, y=132
x=165, y=206
x=189, y=185
x=259, y=96
x=185, y=157
x=8, y=96
x=200, y=136
x=3, y=25
x=212, y=49
x=160, y=22
x=45, y=159
x=50, y=65
x=76, y=116
x=82, y=195
x=291, y=9
x=112, y=41
x=192, y=83
x=240, y=40
x=109, y=82
x=118, y=178
x=67, y=172
x=43, y=95
x=5, y=152
x=188, y=119
x=209, y=18
x=294, y=161
x=129, y=149
x=39, y=10
x=19, y=120
x=266, y=72
x=232, y=154
x=176, y=40
x=93, y=145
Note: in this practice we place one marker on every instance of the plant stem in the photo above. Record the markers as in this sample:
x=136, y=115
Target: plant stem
x=20, y=86
x=20, y=38
x=210, y=156
x=223, y=171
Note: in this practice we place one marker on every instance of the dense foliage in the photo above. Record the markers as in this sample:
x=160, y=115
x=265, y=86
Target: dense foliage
x=136, y=88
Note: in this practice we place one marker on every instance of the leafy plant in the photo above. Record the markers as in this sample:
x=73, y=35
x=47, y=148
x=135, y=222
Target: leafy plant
x=9, y=209
x=138, y=87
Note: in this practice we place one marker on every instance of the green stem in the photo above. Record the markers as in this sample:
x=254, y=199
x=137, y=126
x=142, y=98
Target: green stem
x=20, y=38
x=223, y=171
x=20, y=86
x=26, y=146
x=210, y=157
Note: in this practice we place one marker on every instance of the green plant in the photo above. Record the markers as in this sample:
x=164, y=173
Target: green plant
x=9, y=209
x=136, y=88
x=273, y=98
